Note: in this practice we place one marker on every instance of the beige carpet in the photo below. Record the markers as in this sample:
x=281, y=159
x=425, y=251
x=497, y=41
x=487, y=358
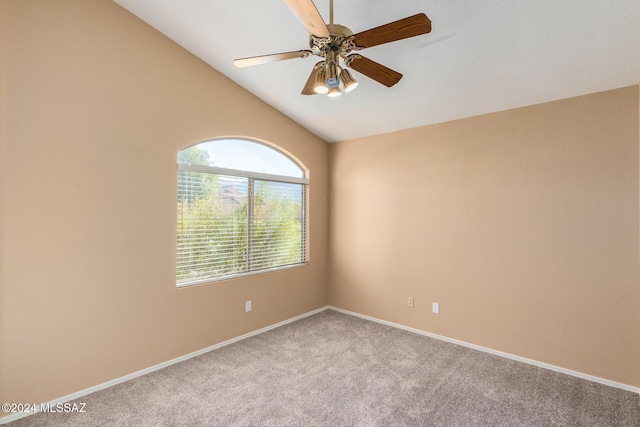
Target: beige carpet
x=332, y=369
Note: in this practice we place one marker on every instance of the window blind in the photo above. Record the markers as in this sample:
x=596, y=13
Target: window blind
x=231, y=225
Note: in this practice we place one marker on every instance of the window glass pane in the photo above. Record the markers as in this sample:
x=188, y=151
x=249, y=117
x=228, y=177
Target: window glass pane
x=212, y=226
x=278, y=223
x=241, y=155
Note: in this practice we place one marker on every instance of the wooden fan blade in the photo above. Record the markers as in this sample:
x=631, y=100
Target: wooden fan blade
x=373, y=70
x=402, y=29
x=307, y=13
x=256, y=60
x=311, y=81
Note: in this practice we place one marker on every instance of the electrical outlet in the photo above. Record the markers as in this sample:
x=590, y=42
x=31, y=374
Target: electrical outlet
x=410, y=302
x=247, y=306
x=435, y=307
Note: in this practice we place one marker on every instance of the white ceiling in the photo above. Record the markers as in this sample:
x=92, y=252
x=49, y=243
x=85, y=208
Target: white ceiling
x=481, y=56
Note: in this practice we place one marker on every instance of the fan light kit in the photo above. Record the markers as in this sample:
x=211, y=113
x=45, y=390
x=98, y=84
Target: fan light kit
x=335, y=43
x=327, y=78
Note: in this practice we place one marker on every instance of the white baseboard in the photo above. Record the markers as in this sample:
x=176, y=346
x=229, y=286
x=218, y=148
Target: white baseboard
x=79, y=394
x=496, y=352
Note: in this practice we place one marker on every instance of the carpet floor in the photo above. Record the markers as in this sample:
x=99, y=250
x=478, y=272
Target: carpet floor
x=332, y=369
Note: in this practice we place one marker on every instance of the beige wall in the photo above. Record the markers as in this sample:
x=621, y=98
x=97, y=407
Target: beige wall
x=522, y=224
x=99, y=105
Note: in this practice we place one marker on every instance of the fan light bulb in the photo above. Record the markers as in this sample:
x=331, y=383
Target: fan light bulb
x=334, y=91
x=348, y=81
x=321, y=86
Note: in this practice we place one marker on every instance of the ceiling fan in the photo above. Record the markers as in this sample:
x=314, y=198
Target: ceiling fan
x=334, y=42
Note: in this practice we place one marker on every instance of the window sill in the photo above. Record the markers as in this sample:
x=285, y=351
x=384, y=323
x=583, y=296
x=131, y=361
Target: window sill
x=239, y=275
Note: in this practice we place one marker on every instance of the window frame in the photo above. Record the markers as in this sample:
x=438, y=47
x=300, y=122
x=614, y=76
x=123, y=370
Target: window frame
x=251, y=176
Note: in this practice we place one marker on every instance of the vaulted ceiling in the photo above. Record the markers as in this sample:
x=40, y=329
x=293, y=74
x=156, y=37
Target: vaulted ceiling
x=480, y=57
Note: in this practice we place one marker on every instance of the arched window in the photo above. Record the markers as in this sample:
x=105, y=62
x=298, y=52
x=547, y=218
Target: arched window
x=241, y=209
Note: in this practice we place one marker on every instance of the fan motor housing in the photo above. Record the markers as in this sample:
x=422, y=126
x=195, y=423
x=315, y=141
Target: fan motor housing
x=339, y=30
x=339, y=40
